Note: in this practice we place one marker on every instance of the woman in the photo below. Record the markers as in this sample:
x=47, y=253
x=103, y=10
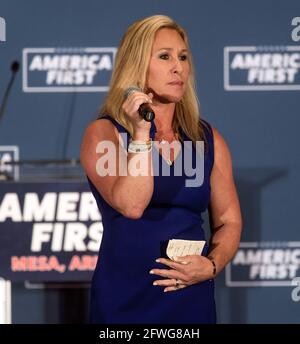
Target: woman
x=134, y=282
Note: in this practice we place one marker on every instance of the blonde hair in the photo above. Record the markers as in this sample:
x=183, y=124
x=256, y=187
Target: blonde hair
x=131, y=67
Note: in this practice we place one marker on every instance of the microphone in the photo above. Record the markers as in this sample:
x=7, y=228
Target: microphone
x=14, y=69
x=144, y=110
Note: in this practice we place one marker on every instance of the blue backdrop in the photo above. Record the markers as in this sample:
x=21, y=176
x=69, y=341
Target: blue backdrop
x=247, y=58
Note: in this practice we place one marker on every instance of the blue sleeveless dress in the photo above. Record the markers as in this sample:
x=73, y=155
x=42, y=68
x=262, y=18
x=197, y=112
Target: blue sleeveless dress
x=122, y=290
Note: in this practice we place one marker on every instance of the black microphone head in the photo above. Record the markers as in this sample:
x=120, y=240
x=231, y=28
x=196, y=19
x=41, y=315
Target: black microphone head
x=144, y=110
x=15, y=66
x=130, y=90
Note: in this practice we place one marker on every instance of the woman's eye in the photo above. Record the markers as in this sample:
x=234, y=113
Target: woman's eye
x=164, y=56
x=183, y=57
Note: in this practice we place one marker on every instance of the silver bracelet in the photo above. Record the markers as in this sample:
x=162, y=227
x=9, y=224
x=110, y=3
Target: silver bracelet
x=139, y=146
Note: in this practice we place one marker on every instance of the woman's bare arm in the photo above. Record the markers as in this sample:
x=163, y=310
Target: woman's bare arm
x=225, y=214
x=126, y=193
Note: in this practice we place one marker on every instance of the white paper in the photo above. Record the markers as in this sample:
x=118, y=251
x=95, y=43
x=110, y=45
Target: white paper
x=179, y=248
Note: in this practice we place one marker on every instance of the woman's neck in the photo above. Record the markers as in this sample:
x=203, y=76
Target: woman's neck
x=164, y=114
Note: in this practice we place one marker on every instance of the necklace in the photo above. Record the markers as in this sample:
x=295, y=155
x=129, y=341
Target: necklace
x=162, y=140
x=166, y=150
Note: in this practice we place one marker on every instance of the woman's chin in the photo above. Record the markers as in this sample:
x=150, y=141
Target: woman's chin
x=175, y=99
x=169, y=98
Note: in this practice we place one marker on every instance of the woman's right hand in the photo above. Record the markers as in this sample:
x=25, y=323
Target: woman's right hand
x=131, y=106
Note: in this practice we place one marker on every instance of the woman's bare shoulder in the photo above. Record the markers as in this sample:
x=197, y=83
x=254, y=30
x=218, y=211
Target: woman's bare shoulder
x=101, y=129
x=221, y=150
x=219, y=141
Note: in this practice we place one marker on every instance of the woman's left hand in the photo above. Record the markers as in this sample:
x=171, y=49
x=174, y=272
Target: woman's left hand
x=183, y=272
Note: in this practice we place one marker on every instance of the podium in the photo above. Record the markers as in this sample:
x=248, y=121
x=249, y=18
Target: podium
x=18, y=257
